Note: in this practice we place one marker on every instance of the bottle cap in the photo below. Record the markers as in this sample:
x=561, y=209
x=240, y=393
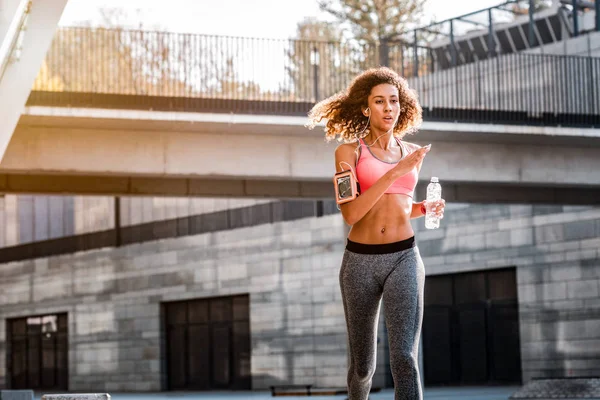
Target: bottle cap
x=434, y=179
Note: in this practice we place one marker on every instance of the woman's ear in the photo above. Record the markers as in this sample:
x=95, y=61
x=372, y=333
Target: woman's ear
x=366, y=111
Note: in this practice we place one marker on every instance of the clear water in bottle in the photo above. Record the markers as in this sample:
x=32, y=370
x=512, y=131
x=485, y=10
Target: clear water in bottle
x=434, y=192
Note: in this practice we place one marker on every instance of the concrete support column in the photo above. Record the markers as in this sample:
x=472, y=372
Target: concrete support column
x=33, y=43
x=8, y=9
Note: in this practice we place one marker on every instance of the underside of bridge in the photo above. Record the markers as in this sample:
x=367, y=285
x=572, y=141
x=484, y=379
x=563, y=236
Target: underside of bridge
x=495, y=139
x=463, y=192
x=120, y=152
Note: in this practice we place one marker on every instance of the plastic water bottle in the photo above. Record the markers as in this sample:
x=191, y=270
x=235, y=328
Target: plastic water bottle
x=434, y=193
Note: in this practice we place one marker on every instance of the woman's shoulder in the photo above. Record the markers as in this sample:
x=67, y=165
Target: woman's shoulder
x=346, y=148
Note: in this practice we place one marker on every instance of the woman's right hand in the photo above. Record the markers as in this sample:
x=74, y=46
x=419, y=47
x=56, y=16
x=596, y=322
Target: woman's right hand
x=411, y=161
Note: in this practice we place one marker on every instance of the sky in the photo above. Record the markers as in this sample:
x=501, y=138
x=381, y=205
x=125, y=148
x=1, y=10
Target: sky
x=248, y=18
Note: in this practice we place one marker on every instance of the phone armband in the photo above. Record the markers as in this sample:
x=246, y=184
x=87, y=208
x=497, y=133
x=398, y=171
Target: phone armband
x=346, y=188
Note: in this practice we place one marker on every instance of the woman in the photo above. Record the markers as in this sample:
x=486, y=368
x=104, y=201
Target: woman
x=381, y=258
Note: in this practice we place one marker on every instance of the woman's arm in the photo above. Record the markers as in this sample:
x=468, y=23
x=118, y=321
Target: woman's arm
x=417, y=210
x=438, y=206
x=356, y=209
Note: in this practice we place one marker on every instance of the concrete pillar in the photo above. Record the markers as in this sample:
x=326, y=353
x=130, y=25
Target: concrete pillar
x=18, y=77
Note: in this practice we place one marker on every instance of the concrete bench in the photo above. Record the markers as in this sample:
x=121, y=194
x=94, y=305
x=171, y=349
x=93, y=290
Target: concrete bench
x=290, y=390
x=16, y=394
x=77, y=396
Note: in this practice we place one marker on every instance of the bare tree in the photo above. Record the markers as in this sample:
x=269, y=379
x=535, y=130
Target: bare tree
x=365, y=33
x=112, y=59
x=318, y=59
x=375, y=20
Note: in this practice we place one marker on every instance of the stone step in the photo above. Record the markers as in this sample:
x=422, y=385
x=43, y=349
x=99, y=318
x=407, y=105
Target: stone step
x=16, y=394
x=77, y=396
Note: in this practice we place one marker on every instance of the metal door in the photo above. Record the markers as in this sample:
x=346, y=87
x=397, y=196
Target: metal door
x=471, y=328
x=208, y=343
x=38, y=352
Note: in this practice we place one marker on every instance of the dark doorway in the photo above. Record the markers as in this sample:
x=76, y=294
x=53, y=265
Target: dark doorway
x=37, y=356
x=471, y=328
x=208, y=343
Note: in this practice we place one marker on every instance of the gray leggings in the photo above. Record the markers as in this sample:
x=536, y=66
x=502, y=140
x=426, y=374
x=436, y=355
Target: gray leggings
x=396, y=272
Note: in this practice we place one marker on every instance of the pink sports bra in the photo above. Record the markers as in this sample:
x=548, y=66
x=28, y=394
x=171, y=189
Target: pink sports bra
x=370, y=168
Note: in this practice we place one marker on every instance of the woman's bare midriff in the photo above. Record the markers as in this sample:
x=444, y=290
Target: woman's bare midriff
x=387, y=222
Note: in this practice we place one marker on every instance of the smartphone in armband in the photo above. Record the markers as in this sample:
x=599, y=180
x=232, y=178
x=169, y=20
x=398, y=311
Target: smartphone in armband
x=346, y=188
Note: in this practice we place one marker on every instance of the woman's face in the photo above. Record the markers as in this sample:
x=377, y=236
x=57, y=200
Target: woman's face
x=384, y=107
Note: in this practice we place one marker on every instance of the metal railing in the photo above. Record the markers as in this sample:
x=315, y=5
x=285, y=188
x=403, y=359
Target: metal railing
x=509, y=27
x=183, y=72
x=515, y=88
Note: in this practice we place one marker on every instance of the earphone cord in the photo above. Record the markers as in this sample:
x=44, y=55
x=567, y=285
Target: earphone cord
x=362, y=137
x=360, y=144
x=351, y=169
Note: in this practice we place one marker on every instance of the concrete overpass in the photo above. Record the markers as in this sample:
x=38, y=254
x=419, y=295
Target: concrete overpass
x=500, y=135
x=133, y=152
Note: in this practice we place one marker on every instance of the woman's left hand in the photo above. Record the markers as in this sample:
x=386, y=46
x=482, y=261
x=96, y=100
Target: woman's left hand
x=437, y=207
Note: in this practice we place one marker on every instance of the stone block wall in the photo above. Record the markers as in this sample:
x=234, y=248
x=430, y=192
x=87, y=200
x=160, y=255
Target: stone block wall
x=290, y=270
x=113, y=297
x=556, y=252
x=31, y=218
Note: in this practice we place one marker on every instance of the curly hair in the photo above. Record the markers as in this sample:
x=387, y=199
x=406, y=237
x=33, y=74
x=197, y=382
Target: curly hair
x=343, y=111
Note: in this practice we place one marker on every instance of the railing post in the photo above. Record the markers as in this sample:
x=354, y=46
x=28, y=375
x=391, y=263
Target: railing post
x=416, y=55
x=452, y=43
x=431, y=61
x=576, y=18
x=591, y=100
x=479, y=95
x=491, y=42
x=315, y=63
x=531, y=21
x=384, y=53
x=403, y=66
